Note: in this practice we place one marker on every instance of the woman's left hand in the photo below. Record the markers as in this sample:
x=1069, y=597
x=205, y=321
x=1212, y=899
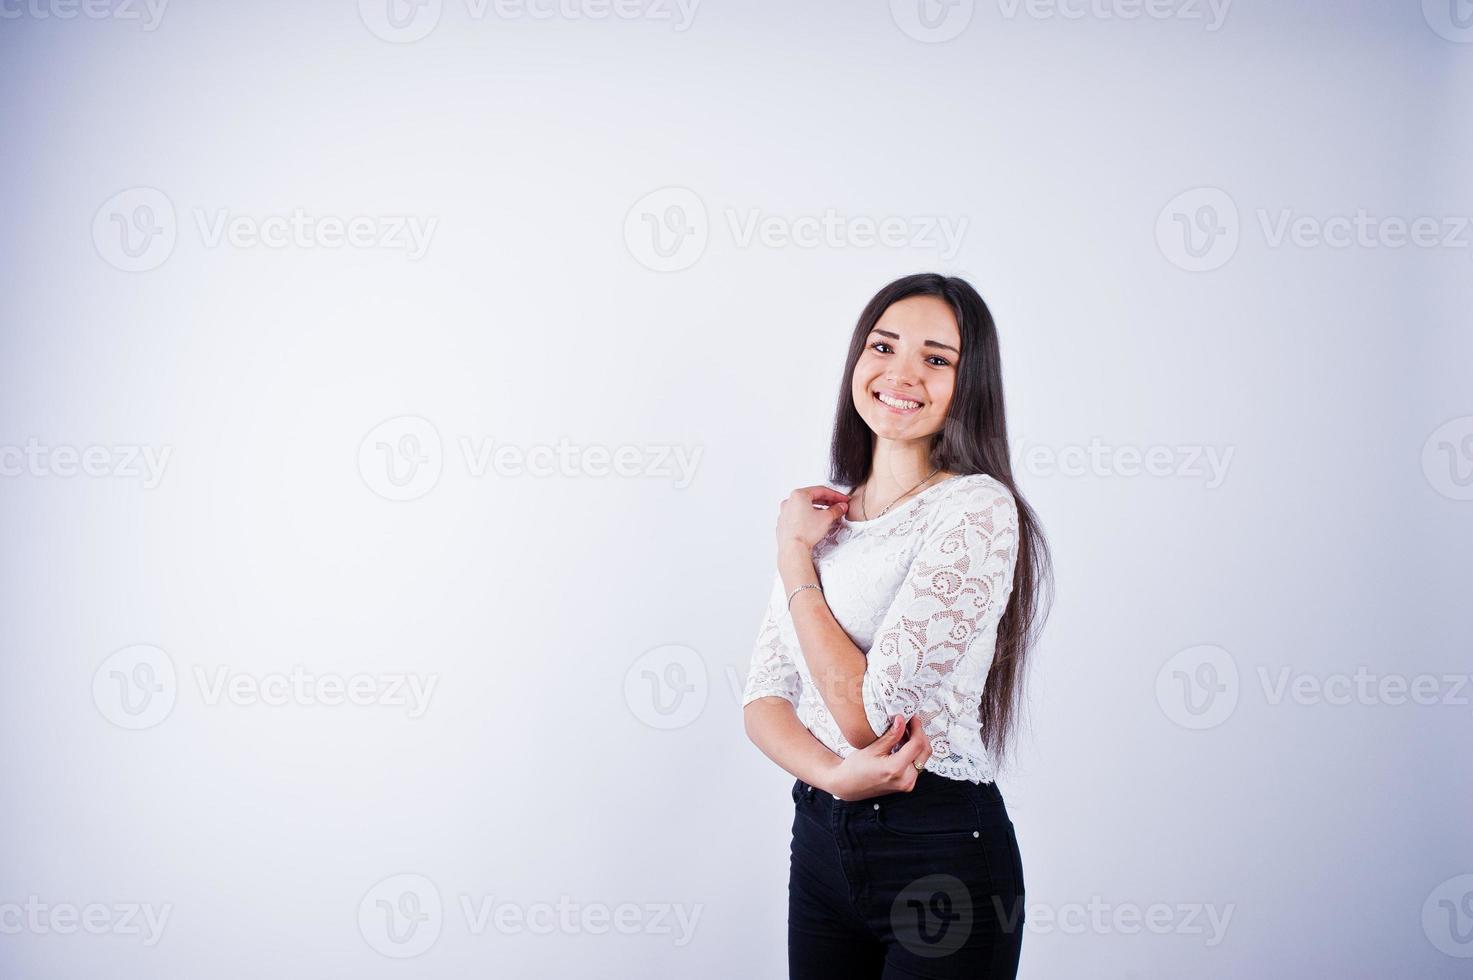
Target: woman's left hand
x=800, y=523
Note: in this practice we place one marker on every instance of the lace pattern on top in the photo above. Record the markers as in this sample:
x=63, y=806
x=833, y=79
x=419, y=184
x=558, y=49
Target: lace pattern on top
x=921, y=590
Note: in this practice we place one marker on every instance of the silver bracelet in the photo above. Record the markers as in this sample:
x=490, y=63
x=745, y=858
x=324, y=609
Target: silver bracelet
x=810, y=585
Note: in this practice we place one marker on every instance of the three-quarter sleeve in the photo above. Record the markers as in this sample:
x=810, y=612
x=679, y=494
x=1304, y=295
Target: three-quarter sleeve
x=773, y=670
x=947, y=609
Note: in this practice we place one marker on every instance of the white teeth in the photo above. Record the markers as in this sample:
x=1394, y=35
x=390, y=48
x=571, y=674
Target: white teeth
x=896, y=402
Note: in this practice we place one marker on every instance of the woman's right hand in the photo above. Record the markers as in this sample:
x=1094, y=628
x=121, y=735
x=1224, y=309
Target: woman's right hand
x=874, y=770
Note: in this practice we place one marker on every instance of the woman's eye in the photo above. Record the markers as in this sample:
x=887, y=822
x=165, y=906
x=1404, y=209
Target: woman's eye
x=880, y=347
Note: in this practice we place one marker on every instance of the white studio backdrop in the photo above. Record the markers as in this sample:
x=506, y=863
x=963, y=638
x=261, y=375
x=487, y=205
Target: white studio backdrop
x=395, y=400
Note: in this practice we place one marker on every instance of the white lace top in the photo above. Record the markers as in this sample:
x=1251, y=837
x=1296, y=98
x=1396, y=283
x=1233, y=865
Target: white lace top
x=920, y=589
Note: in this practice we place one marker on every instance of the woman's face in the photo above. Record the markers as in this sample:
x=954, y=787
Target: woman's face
x=907, y=370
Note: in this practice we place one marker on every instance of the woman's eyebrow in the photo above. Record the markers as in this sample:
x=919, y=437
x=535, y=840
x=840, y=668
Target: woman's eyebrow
x=927, y=343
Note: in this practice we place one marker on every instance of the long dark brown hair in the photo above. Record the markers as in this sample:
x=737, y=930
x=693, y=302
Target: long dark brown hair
x=973, y=439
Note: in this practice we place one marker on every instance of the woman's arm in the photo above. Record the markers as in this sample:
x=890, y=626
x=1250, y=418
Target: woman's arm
x=773, y=726
x=956, y=588
x=769, y=713
x=877, y=769
x=835, y=664
x=770, y=702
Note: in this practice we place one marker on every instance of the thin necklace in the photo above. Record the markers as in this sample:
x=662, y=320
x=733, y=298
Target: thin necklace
x=897, y=500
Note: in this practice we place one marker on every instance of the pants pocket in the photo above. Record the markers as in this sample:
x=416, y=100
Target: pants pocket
x=937, y=816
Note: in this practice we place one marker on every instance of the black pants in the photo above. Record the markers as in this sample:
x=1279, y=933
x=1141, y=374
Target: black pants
x=921, y=884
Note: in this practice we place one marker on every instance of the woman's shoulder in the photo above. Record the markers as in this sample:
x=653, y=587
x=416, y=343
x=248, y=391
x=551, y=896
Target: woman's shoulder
x=972, y=492
x=978, y=485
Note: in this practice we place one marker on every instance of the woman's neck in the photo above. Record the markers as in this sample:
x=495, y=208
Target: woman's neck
x=896, y=470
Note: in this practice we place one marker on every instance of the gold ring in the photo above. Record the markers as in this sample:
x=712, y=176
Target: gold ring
x=920, y=766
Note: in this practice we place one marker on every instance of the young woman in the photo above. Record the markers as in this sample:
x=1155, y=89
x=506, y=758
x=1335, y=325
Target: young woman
x=886, y=675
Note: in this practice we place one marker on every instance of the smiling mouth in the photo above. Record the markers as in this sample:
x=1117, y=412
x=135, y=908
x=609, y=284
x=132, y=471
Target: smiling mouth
x=902, y=405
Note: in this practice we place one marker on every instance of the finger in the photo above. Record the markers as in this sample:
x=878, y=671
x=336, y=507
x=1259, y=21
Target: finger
x=918, y=734
x=893, y=733
x=887, y=741
x=918, y=749
x=824, y=495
